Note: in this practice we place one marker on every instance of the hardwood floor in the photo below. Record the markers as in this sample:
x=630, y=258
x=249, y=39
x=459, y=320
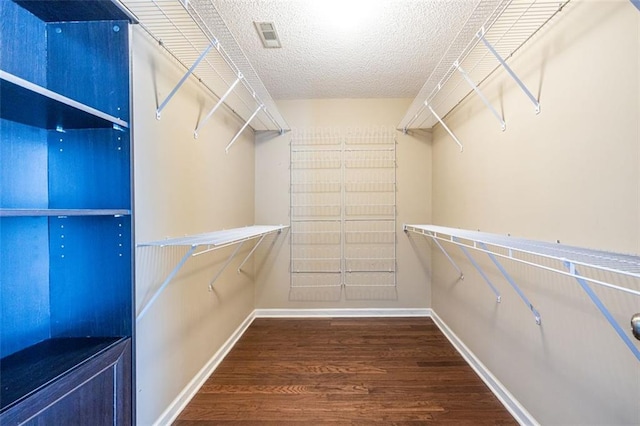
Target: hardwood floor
x=344, y=371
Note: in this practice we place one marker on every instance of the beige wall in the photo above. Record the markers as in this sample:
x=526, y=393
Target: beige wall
x=570, y=174
x=413, y=204
x=184, y=186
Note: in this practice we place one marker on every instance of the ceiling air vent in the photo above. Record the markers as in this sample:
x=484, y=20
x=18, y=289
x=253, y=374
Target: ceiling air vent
x=268, y=34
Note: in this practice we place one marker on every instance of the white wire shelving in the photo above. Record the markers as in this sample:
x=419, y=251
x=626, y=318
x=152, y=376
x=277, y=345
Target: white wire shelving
x=194, y=34
x=493, y=33
x=343, y=209
x=566, y=260
x=209, y=242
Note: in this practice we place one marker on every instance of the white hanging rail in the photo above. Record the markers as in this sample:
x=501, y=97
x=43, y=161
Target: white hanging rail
x=195, y=35
x=503, y=26
x=209, y=242
x=568, y=260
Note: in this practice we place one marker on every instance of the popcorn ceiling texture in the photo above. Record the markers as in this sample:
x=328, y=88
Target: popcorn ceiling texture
x=389, y=55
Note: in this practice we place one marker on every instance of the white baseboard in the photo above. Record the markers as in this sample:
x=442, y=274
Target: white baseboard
x=514, y=407
x=500, y=391
x=341, y=313
x=175, y=408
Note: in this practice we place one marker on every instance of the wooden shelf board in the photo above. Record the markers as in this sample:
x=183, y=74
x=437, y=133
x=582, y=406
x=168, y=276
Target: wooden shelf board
x=33, y=105
x=63, y=212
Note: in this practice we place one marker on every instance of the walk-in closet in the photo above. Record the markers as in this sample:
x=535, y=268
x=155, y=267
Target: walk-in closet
x=346, y=212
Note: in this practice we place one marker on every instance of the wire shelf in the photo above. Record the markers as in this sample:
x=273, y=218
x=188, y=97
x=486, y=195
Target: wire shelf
x=370, y=265
x=370, y=279
x=186, y=29
x=624, y=264
x=349, y=179
x=213, y=241
x=315, y=187
x=506, y=25
x=565, y=260
x=218, y=238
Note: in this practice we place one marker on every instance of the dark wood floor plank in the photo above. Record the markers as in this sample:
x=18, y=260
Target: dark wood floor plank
x=348, y=371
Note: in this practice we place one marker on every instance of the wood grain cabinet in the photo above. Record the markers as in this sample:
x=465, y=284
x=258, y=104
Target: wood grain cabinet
x=66, y=257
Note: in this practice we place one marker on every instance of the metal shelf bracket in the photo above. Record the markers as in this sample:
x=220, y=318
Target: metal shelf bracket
x=513, y=284
x=184, y=78
x=482, y=274
x=513, y=75
x=603, y=309
x=211, y=241
x=449, y=257
x=229, y=259
x=445, y=126
x=217, y=105
x=166, y=282
x=503, y=26
x=255, y=247
x=260, y=107
x=476, y=89
x=566, y=259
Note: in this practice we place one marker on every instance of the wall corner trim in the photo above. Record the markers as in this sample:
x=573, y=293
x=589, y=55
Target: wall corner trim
x=180, y=402
x=517, y=410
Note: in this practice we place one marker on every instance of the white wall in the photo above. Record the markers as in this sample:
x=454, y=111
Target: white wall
x=572, y=174
x=184, y=186
x=413, y=204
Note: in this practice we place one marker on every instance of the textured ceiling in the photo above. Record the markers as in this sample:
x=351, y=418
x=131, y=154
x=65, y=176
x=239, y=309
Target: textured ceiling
x=346, y=48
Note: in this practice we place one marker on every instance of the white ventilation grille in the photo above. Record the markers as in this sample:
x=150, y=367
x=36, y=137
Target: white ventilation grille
x=268, y=34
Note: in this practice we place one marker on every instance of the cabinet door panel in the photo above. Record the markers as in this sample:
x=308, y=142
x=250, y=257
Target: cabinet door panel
x=96, y=393
x=91, y=403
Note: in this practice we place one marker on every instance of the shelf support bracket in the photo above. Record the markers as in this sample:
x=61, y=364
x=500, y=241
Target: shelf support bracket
x=475, y=87
x=447, y=256
x=243, y=127
x=444, y=125
x=603, y=309
x=255, y=247
x=235, y=252
x=166, y=282
x=513, y=75
x=524, y=298
x=183, y=79
x=482, y=274
x=217, y=105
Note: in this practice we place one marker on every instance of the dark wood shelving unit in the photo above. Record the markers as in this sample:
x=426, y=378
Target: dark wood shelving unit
x=66, y=243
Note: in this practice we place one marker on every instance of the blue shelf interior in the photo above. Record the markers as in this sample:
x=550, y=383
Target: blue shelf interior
x=65, y=276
